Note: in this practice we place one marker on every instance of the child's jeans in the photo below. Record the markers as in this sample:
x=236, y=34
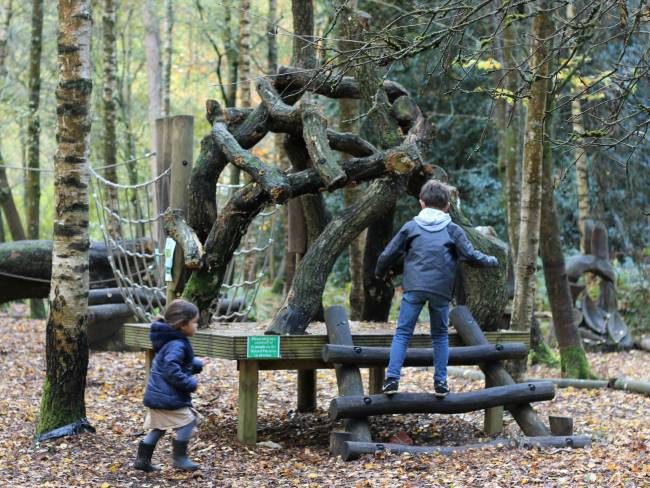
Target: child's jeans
x=412, y=303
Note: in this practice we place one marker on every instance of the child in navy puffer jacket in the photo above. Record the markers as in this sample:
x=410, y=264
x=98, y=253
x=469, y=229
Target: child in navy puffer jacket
x=171, y=382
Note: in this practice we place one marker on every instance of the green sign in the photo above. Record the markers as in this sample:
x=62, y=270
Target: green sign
x=263, y=347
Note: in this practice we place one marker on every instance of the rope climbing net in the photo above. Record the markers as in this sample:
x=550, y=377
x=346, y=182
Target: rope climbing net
x=133, y=232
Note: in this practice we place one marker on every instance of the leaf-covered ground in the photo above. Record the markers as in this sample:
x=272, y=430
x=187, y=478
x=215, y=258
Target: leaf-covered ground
x=619, y=422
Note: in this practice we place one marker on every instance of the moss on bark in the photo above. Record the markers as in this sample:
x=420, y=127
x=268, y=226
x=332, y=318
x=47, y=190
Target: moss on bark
x=574, y=364
x=57, y=411
x=542, y=354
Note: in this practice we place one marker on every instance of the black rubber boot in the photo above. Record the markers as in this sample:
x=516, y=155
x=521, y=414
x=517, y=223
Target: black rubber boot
x=143, y=458
x=181, y=461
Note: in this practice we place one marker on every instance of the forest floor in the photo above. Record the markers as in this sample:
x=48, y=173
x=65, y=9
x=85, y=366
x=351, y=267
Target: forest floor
x=619, y=423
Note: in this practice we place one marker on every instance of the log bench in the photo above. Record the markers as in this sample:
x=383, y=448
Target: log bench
x=246, y=343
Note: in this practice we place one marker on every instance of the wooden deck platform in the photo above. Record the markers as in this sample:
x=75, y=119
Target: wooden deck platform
x=301, y=353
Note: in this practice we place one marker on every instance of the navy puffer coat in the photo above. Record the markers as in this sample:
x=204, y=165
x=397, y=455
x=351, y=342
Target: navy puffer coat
x=171, y=382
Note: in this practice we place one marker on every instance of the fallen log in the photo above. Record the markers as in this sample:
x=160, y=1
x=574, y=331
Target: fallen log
x=627, y=384
x=462, y=320
x=401, y=403
x=620, y=383
x=379, y=356
x=573, y=382
x=349, y=449
x=105, y=324
x=26, y=268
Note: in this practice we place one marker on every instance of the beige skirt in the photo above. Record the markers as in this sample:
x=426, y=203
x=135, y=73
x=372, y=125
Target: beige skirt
x=169, y=419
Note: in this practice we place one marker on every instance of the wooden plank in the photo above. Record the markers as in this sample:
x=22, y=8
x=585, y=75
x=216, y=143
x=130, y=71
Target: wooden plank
x=224, y=345
x=247, y=415
x=348, y=377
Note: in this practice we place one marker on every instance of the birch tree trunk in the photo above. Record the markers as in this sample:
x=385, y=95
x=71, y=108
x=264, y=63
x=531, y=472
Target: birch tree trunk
x=33, y=184
x=530, y=210
x=7, y=202
x=66, y=340
x=348, y=113
x=154, y=71
x=108, y=102
x=167, y=64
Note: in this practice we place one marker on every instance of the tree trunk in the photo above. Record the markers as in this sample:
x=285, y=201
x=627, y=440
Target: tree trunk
x=482, y=290
x=377, y=293
x=167, y=62
x=573, y=358
x=348, y=113
x=509, y=160
x=530, y=209
x=33, y=183
x=312, y=206
x=66, y=334
x=124, y=100
x=7, y=202
x=108, y=99
x=244, y=67
x=232, y=58
x=582, y=176
x=9, y=206
x=154, y=71
x=271, y=37
x=304, y=299
x=380, y=129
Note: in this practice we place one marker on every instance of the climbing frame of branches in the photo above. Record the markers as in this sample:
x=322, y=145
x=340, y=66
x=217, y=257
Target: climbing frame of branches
x=235, y=131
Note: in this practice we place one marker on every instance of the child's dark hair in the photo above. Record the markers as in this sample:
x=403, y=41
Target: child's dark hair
x=179, y=312
x=435, y=194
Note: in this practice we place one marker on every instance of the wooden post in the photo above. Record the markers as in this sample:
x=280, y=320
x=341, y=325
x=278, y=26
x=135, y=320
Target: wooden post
x=174, y=139
x=306, y=390
x=472, y=335
x=348, y=377
x=493, y=419
x=247, y=420
x=375, y=380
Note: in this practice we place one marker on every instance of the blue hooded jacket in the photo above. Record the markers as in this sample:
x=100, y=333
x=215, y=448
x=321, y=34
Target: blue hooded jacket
x=170, y=381
x=431, y=245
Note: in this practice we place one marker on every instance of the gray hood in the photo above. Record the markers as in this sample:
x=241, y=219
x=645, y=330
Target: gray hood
x=432, y=219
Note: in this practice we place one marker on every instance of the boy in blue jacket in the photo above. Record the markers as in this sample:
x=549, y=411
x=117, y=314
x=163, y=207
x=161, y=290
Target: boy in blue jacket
x=431, y=245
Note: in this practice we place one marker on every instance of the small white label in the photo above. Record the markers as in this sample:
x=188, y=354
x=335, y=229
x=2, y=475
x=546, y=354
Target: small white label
x=170, y=245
